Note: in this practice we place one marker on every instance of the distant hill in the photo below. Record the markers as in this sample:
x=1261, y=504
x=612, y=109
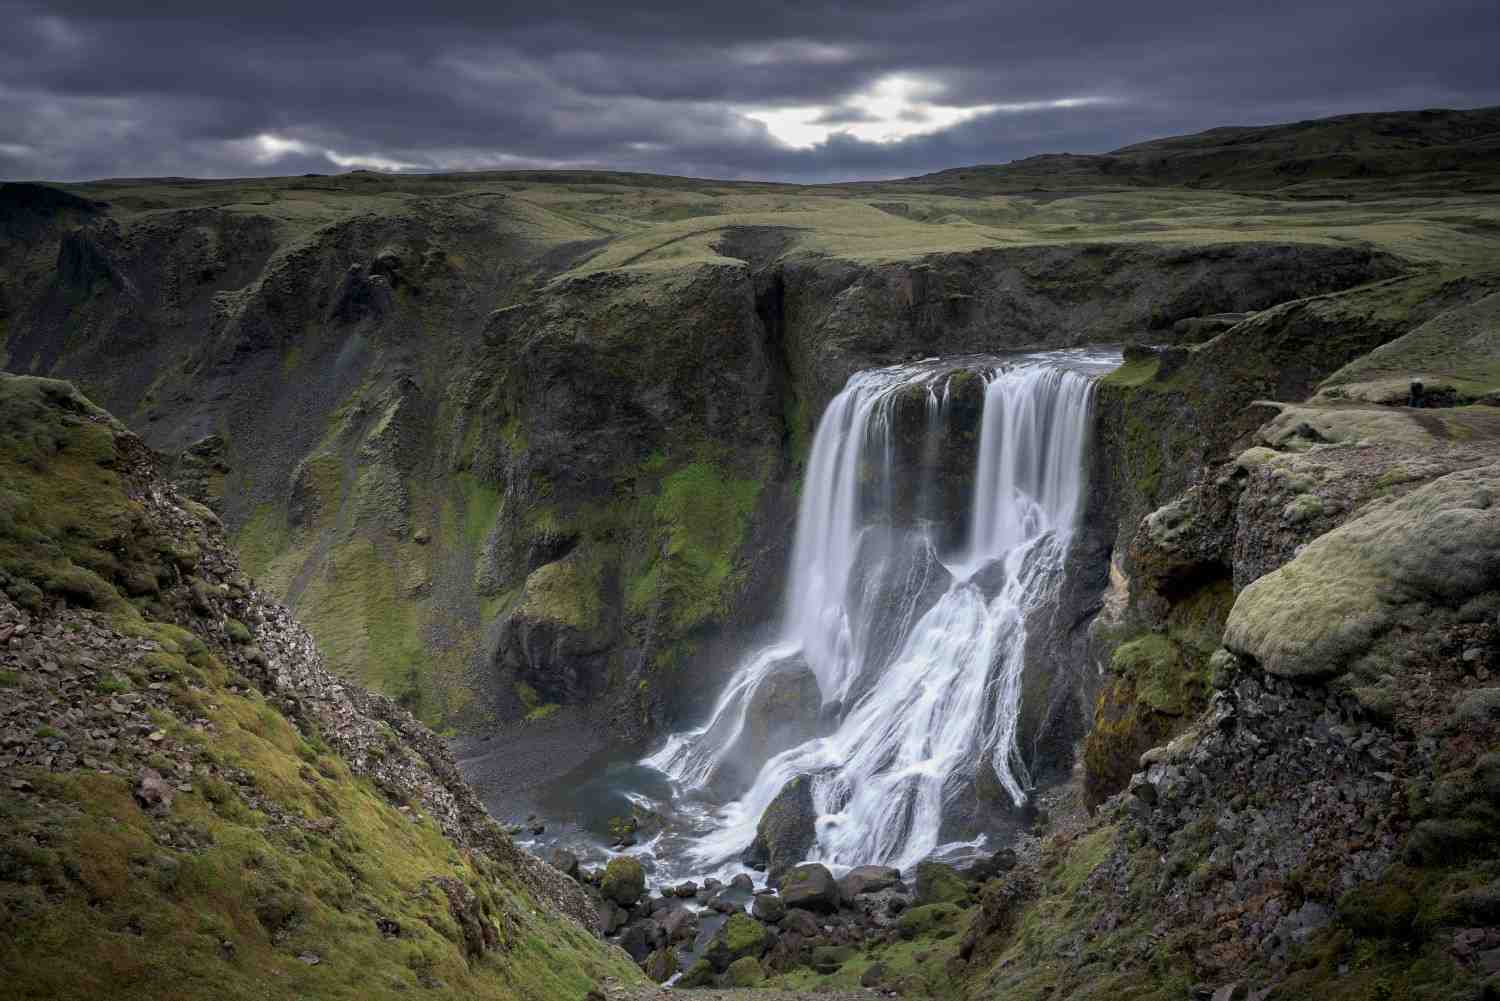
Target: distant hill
x=1457, y=150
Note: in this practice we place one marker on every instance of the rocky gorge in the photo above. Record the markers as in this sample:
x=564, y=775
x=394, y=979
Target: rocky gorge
x=527, y=460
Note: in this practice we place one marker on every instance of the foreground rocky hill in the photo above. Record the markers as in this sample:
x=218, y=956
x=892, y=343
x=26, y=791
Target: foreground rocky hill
x=193, y=806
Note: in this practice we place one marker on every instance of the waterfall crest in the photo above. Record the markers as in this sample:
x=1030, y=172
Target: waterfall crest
x=916, y=634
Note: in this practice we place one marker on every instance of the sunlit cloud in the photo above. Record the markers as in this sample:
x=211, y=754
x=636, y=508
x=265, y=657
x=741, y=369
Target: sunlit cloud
x=267, y=148
x=792, y=52
x=898, y=106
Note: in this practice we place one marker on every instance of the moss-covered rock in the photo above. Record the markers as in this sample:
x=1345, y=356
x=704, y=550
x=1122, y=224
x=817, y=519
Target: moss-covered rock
x=786, y=831
x=741, y=937
x=624, y=880
x=1425, y=553
x=745, y=972
x=938, y=883
x=811, y=887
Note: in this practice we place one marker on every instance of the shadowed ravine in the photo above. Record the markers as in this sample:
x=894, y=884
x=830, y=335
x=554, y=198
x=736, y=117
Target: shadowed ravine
x=911, y=618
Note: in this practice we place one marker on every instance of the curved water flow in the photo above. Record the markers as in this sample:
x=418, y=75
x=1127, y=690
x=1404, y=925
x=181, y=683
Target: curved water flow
x=927, y=688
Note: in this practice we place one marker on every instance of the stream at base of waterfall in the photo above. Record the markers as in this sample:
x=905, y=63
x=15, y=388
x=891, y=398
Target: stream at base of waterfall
x=937, y=508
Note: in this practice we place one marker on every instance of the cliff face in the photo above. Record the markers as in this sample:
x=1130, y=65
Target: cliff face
x=1289, y=745
x=192, y=798
x=494, y=487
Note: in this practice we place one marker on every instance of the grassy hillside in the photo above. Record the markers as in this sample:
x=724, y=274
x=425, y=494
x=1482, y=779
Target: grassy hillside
x=191, y=806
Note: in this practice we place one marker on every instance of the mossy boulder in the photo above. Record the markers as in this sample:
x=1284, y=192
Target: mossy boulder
x=938, y=883
x=810, y=887
x=741, y=936
x=745, y=972
x=700, y=974
x=624, y=880
x=1421, y=555
x=787, y=830
x=923, y=919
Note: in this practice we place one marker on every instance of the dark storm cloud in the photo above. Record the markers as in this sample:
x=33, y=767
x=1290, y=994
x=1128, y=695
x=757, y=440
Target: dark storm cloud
x=800, y=91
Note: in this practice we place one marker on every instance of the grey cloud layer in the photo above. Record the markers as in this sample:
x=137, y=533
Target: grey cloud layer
x=665, y=87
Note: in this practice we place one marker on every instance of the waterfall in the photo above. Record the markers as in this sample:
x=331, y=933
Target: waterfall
x=917, y=641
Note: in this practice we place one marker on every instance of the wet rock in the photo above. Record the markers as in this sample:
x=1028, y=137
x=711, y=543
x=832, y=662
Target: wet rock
x=684, y=890
x=998, y=864
x=868, y=879
x=810, y=887
x=786, y=831
x=800, y=922
x=611, y=917
x=782, y=712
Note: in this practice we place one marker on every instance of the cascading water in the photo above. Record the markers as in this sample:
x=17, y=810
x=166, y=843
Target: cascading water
x=918, y=651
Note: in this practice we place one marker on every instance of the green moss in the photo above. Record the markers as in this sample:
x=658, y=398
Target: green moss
x=745, y=972
x=67, y=527
x=1083, y=857
x=1136, y=372
x=1153, y=663
x=624, y=880
x=564, y=592
x=701, y=515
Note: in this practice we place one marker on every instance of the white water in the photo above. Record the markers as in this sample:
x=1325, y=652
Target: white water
x=922, y=711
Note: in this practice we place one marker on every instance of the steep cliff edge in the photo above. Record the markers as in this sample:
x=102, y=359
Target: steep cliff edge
x=193, y=805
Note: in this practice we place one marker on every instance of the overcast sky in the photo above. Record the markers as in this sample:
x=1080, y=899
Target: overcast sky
x=801, y=90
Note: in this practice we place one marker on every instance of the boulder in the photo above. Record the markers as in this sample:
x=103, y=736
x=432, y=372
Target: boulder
x=740, y=937
x=786, y=831
x=811, y=888
x=939, y=884
x=688, y=889
x=1415, y=557
x=768, y=908
x=800, y=922
x=624, y=880
x=700, y=974
x=868, y=879
x=744, y=972
x=641, y=938
x=661, y=965
x=680, y=925
x=153, y=792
